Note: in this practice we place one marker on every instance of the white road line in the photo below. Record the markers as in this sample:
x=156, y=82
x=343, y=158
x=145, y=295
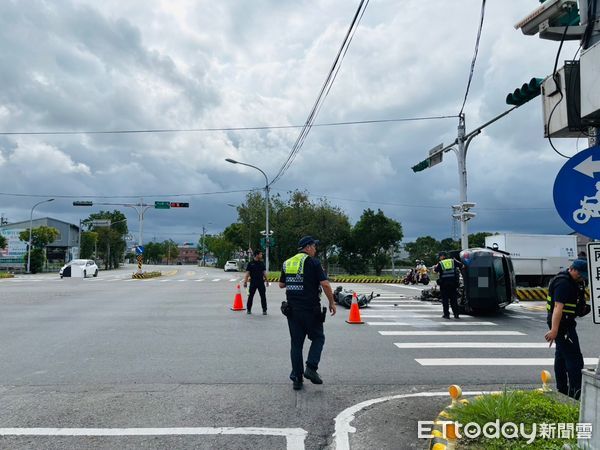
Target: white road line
x=407, y=287
x=471, y=344
x=164, y=281
x=398, y=312
x=495, y=361
x=403, y=316
x=199, y=279
x=343, y=419
x=433, y=324
x=216, y=279
x=399, y=307
x=181, y=280
x=233, y=279
x=128, y=281
x=294, y=436
x=452, y=333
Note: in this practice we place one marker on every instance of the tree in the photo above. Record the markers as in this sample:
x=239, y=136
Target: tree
x=375, y=234
x=425, y=248
x=3, y=242
x=478, y=239
x=153, y=253
x=220, y=247
x=40, y=238
x=170, y=250
x=109, y=241
x=89, y=242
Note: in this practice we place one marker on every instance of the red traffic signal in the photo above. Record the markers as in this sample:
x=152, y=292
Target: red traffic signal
x=179, y=205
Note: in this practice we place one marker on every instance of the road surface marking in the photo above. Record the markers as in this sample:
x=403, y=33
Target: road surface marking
x=163, y=281
x=294, y=436
x=201, y=279
x=471, y=344
x=403, y=316
x=452, y=333
x=216, y=279
x=181, y=280
x=433, y=324
x=495, y=361
x=342, y=421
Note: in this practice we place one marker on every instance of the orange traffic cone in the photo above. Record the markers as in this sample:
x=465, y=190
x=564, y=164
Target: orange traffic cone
x=354, y=311
x=238, y=303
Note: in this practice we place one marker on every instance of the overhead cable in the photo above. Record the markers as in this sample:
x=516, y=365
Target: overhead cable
x=472, y=71
x=200, y=130
x=325, y=89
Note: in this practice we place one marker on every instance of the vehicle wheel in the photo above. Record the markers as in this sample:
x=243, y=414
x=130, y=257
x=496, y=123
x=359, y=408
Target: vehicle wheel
x=84, y=274
x=95, y=274
x=581, y=216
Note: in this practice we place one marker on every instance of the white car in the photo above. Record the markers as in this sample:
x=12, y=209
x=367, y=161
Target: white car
x=79, y=267
x=231, y=266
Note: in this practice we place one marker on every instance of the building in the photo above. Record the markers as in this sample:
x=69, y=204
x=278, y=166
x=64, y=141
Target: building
x=188, y=254
x=60, y=251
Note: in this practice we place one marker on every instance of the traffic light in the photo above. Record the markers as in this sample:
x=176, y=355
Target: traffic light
x=421, y=166
x=83, y=203
x=179, y=205
x=525, y=93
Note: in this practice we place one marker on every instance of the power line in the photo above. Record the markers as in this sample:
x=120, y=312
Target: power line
x=137, y=197
x=325, y=89
x=472, y=71
x=407, y=205
x=205, y=130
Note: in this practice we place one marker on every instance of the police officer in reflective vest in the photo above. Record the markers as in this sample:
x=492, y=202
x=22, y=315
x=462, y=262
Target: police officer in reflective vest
x=447, y=269
x=302, y=276
x=563, y=305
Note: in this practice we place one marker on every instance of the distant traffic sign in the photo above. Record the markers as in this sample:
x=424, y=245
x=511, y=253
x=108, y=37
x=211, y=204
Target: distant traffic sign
x=162, y=205
x=83, y=203
x=179, y=205
x=577, y=192
x=593, y=249
x=139, y=249
x=101, y=223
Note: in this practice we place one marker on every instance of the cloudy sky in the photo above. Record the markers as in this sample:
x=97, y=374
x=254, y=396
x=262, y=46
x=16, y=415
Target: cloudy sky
x=189, y=64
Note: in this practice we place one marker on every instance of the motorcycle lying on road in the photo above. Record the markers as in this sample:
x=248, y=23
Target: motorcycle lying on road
x=344, y=297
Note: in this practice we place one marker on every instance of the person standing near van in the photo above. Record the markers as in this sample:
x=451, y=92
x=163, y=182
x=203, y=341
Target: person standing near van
x=564, y=304
x=257, y=273
x=447, y=269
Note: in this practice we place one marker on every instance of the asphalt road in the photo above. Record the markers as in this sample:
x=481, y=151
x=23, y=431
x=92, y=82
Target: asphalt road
x=164, y=363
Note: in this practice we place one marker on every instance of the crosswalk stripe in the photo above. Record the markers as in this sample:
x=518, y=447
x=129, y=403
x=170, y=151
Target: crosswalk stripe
x=495, y=361
x=181, y=280
x=410, y=345
x=199, y=279
x=216, y=279
x=451, y=333
x=399, y=313
x=433, y=324
x=403, y=305
x=403, y=316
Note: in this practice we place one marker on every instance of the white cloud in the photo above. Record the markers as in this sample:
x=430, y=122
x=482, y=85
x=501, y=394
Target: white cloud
x=85, y=65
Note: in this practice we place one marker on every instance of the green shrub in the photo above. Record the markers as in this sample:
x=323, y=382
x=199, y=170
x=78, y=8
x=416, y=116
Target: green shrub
x=527, y=407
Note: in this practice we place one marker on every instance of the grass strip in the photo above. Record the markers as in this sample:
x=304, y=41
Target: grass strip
x=530, y=408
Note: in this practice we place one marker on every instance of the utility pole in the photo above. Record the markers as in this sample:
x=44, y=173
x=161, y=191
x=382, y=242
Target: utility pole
x=460, y=147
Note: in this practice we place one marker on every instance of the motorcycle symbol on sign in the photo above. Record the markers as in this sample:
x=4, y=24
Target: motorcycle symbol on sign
x=590, y=207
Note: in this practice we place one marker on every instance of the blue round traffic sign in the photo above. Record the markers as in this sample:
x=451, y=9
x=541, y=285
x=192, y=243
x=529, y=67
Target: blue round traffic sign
x=577, y=192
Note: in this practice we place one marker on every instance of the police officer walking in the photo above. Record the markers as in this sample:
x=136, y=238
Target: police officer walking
x=257, y=272
x=302, y=277
x=564, y=303
x=447, y=269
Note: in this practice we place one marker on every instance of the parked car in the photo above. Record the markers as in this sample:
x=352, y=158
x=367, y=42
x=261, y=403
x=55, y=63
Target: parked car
x=231, y=266
x=86, y=267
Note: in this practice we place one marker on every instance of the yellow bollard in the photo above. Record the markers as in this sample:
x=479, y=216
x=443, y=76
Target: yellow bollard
x=546, y=378
x=451, y=436
x=455, y=393
x=439, y=446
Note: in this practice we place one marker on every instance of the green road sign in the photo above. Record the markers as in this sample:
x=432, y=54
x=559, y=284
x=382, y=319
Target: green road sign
x=162, y=205
x=83, y=203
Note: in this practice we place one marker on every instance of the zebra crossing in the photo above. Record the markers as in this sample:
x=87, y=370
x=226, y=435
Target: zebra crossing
x=120, y=279
x=417, y=328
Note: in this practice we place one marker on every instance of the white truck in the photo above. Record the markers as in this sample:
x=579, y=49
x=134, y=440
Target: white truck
x=536, y=257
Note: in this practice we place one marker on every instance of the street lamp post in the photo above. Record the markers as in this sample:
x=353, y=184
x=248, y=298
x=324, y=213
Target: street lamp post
x=204, y=244
x=30, y=227
x=267, y=188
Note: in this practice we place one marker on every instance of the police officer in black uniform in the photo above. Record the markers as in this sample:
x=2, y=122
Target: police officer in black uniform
x=302, y=276
x=564, y=303
x=257, y=273
x=447, y=269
